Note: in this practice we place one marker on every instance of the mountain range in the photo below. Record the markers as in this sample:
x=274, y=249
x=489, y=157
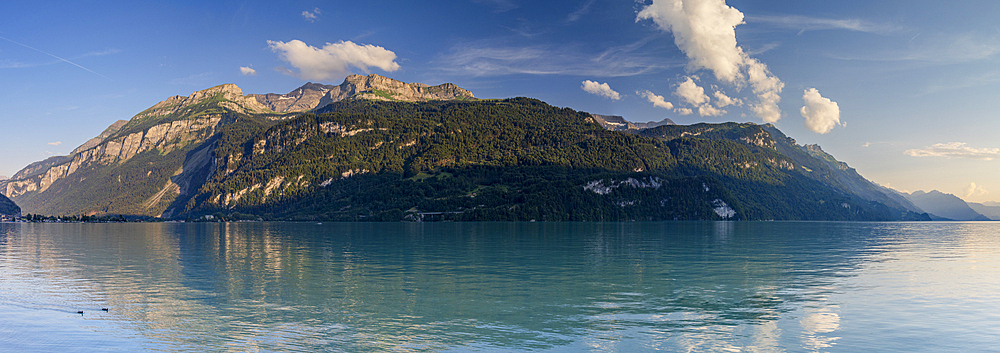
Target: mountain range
x=374, y=148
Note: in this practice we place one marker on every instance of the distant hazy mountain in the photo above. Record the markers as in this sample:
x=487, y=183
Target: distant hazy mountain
x=988, y=209
x=946, y=206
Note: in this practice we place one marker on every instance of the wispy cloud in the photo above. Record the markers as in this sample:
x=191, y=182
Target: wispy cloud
x=806, y=23
x=333, y=60
x=934, y=49
x=57, y=57
x=499, y=5
x=498, y=58
x=311, y=16
x=955, y=150
x=600, y=89
x=247, y=71
x=580, y=12
x=56, y=143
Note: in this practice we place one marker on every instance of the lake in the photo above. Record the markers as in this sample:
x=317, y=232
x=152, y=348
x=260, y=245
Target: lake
x=509, y=287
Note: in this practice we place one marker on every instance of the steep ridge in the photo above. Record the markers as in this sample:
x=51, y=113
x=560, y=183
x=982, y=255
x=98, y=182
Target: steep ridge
x=386, y=150
x=143, y=165
x=131, y=161
x=512, y=159
x=808, y=160
x=314, y=95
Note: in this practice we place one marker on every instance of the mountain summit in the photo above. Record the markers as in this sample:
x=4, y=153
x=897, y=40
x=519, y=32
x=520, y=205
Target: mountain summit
x=141, y=165
x=374, y=148
x=314, y=95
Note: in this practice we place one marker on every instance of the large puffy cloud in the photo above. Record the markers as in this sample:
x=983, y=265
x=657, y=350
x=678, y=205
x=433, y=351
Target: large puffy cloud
x=821, y=114
x=600, y=89
x=705, y=30
x=658, y=101
x=955, y=150
x=690, y=92
x=332, y=60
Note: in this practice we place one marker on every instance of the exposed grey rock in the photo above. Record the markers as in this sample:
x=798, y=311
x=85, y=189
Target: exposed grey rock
x=618, y=123
x=100, y=138
x=314, y=95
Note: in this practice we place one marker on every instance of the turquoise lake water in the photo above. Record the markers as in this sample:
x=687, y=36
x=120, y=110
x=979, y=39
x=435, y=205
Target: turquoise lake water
x=508, y=287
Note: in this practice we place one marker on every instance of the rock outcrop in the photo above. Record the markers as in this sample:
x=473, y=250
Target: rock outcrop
x=303, y=98
x=618, y=123
x=100, y=138
x=314, y=95
x=174, y=139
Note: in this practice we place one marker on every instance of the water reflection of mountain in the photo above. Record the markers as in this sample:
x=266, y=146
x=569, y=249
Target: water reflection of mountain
x=298, y=286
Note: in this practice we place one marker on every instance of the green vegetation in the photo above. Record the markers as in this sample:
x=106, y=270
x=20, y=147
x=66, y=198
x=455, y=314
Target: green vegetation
x=515, y=159
x=512, y=159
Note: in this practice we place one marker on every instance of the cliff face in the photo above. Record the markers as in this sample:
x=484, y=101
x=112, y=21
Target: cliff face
x=144, y=165
x=104, y=168
x=313, y=95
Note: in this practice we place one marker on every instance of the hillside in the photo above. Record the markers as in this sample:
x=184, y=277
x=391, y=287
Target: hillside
x=8, y=207
x=394, y=151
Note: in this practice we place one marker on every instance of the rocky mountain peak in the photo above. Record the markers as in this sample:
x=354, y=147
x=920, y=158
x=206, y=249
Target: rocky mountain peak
x=227, y=92
x=316, y=95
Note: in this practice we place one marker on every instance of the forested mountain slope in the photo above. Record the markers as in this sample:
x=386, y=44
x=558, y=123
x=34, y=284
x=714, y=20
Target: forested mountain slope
x=370, y=156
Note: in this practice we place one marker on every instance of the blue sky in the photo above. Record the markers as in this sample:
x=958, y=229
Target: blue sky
x=904, y=91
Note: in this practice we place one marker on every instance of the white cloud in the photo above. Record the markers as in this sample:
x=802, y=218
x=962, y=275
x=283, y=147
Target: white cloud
x=580, y=11
x=600, y=89
x=658, y=101
x=974, y=190
x=246, y=71
x=311, y=15
x=723, y=100
x=499, y=58
x=821, y=114
x=333, y=59
x=805, y=23
x=705, y=30
x=955, y=150
x=690, y=92
x=57, y=143
x=684, y=111
x=708, y=110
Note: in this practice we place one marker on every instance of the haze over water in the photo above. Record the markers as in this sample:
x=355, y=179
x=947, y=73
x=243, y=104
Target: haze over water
x=674, y=286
